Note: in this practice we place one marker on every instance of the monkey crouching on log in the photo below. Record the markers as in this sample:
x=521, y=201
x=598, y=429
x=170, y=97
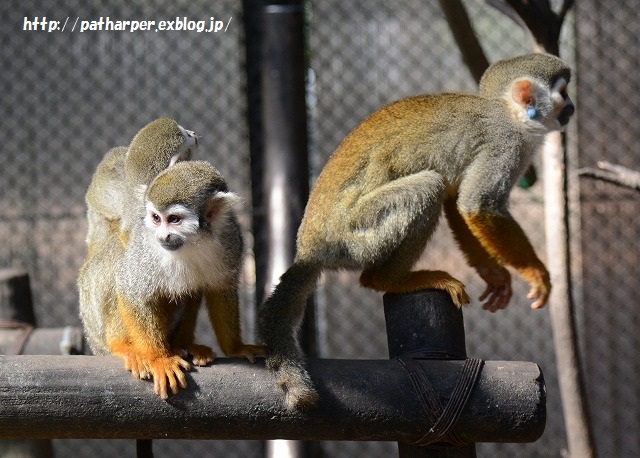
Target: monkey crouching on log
x=379, y=197
x=141, y=301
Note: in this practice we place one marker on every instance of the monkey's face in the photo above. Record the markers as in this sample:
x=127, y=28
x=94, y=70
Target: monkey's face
x=539, y=106
x=188, y=149
x=172, y=227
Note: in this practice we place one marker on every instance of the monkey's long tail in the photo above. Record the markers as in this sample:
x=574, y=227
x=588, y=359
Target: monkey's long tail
x=278, y=323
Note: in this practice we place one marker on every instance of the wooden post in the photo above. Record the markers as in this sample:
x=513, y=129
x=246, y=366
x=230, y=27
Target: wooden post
x=429, y=322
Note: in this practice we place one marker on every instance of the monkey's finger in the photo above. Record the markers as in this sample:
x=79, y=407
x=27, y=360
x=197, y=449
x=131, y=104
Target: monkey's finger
x=135, y=368
x=499, y=297
x=504, y=296
x=538, y=304
x=203, y=361
x=173, y=383
x=138, y=368
x=492, y=305
x=485, y=294
x=540, y=299
x=183, y=364
x=488, y=293
x=176, y=379
x=182, y=380
x=160, y=387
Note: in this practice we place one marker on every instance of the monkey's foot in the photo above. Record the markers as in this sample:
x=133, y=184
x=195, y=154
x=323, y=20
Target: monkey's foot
x=201, y=355
x=249, y=351
x=294, y=382
x=417, y=281
x=133, y=361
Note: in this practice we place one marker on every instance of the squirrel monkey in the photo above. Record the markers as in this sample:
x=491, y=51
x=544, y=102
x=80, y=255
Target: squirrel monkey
x=378, y=200
x=140, y=302
x=115, y=194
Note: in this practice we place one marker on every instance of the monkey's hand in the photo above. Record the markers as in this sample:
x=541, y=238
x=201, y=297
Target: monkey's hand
x=538, y=278
x=133, y=362
x=498, y=289
x=166, y=371
x=249, y=351
x=201, y=355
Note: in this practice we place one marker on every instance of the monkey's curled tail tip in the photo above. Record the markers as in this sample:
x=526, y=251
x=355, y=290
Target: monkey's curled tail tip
x=296, y=385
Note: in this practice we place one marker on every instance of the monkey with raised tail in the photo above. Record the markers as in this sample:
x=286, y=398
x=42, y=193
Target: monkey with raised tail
x=114, y=197
x=378, y=200
x=140, y=302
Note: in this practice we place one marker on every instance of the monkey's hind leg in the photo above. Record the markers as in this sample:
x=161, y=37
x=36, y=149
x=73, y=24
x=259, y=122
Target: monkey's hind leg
x=393, y=223
x=416, y=281
x=278, y=324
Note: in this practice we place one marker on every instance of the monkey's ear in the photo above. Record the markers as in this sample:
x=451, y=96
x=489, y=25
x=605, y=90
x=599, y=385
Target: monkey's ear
x=523, y=93
x=219, y=204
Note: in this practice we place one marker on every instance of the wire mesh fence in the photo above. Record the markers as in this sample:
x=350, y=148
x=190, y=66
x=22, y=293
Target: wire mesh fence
x=69, y=96
x=608, y=53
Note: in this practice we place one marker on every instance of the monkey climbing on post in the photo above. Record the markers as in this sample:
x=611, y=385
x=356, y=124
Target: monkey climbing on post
x=378, y=200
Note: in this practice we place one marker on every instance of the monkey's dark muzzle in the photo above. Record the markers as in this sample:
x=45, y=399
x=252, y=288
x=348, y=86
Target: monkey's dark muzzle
x=171, y=244
x=565, y=115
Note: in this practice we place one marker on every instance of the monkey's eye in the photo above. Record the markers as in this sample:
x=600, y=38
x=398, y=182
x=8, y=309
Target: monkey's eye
x=174, y=219
x=156, y=218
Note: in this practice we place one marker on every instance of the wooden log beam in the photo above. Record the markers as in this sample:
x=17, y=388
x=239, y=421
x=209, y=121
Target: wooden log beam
x=94, y=397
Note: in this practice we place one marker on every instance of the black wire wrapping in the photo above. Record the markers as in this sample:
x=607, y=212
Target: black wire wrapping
x=442, y=419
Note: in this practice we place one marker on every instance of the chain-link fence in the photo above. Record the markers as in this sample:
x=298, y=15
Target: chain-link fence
x=69, y=96
x=608, y=55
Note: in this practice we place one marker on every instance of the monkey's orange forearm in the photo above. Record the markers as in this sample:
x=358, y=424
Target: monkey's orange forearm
x=503, y=239
x=146, y=339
